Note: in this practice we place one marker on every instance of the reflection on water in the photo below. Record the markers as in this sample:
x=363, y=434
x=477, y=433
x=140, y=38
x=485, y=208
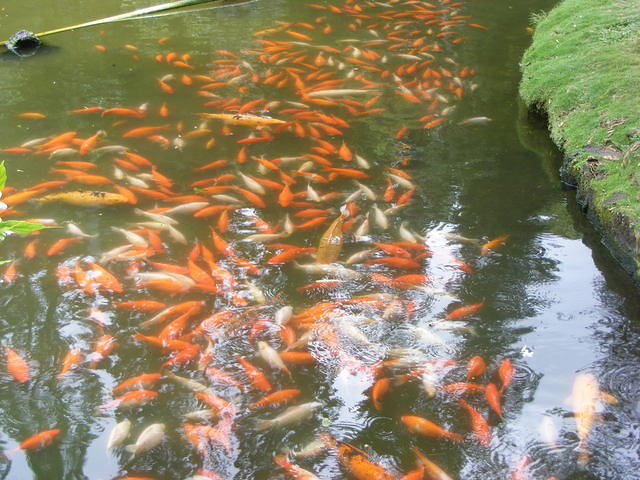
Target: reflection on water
x=374, y=339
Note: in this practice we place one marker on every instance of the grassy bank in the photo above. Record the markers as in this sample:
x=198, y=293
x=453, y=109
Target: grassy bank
x=583, y=70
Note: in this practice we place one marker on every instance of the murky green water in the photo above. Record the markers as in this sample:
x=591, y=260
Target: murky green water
x=554, y=302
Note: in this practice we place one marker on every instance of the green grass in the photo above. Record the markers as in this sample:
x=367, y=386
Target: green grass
x=583, y=69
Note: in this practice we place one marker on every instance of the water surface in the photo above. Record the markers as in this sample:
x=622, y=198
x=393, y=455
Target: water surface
x=555, y=303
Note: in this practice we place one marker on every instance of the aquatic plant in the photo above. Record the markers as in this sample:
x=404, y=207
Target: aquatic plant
x=20, y=227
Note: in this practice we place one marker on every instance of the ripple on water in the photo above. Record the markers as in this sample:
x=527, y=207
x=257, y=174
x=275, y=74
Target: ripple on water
x=615, y=443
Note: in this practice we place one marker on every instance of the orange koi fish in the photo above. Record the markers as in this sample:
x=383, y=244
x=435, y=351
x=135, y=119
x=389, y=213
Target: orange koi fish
x=402, y=131
x=141, y=382
x=297, y=358
x=104, y=346
x=379, y=390
x=411, y=279
x=141, y=305
x=476, y=367
x=424, y=427
x=254, y=199
x=103, y=279
x=31, y=115
x=216, y=375
x=258, y=379
x=465, y=311
x=432, y=471
x=289, y=254
x=345, y=172
x=281, y=397
x=144, y=131
x=320, y=285
x=357, y=462
x=505, y=372
x=417, y=474
x=71, y=360
x=90, y=143
x=479, y=425
x=39, y=440
x=174, y=329
x=10, y=273
x=492, y=395
x=133, y=399
x=313, y=223
x=17, y=366
x=394, y=262
x=21, y=197
x=30, y=249
x=292, y=470
x=392, y=250
x=220, y=243
x=493, y=245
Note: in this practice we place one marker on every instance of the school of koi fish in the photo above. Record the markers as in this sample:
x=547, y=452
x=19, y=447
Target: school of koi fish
x=187, y=277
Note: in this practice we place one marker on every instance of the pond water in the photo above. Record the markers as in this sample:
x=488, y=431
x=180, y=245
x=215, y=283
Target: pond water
x=402, y=115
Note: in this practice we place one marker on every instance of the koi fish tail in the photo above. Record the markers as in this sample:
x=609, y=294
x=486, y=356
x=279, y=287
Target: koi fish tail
x=132, y=450
x=11, y=453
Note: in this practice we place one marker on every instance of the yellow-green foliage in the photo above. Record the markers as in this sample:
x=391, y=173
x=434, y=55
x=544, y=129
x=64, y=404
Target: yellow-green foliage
x=583, y=69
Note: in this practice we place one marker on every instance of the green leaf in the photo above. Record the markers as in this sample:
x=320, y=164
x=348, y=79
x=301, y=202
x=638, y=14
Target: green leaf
x=3, y=175
x=199, y=190
x=2, y=262
x=20, y=227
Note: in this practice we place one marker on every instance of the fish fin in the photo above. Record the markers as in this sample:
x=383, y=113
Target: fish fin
x=608, y=398
x=131, y=449
x=9, y=454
